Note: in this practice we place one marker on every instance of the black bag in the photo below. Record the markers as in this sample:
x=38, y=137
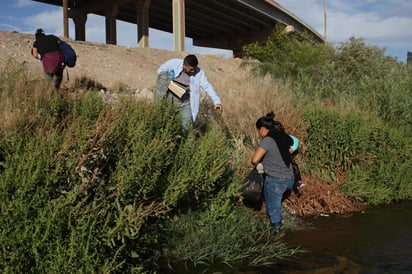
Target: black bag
x=253, y=187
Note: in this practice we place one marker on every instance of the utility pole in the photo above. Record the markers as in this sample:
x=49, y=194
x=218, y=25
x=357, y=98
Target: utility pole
x=325, y=22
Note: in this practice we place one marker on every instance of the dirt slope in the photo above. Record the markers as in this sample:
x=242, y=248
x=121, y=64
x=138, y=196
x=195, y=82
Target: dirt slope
x=110, y=64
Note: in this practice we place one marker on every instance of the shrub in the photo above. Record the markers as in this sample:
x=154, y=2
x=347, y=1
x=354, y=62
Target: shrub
x=90, y=187
x=375, y=158
x=286, y=54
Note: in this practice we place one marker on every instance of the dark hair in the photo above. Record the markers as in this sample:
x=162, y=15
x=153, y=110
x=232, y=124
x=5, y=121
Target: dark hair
x=278, y=126
x=39, y=33
x=277, y=133
x=191, y=60
x=266, y=121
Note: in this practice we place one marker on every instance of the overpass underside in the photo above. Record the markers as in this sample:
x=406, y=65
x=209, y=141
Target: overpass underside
x=228, y=24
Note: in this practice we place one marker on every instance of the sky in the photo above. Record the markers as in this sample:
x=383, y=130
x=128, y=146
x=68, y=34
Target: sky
x=383, y=23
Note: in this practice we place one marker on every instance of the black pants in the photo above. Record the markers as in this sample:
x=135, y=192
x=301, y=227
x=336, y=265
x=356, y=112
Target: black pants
x=57, y=77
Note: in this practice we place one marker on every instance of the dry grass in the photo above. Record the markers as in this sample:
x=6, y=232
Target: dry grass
x=252, y=98
x=18, y=97
x=248, y=99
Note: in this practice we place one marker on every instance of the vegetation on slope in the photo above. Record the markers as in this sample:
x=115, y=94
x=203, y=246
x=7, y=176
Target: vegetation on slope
x=88, y=185
x=355, y=106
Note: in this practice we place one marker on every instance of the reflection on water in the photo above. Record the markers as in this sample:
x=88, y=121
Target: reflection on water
x=377, y=241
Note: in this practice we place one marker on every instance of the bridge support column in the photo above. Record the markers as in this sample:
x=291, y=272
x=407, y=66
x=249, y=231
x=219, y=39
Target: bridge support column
x=65, y=18
x=111, y=32
x=142, y=7
x=179, y=32
x=80, y=27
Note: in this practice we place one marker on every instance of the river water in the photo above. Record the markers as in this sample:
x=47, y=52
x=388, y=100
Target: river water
x=376, y=241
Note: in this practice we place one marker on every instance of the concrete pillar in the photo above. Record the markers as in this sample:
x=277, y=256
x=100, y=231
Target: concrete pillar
x=80, y=27
x=142, y=9
x=111, y=31
x=65, y=18
x=179, y=32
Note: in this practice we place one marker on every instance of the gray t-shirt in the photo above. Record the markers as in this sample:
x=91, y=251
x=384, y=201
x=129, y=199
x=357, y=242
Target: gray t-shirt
x=183, y=78
x=272, y=161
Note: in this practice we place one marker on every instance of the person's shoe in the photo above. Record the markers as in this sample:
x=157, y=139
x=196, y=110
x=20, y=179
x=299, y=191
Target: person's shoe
x=301, y=184
x=277, y=228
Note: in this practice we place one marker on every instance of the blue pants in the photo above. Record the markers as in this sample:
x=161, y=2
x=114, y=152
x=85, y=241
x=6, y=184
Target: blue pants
x=273, y=192
x=162, y=92
x=186, y=117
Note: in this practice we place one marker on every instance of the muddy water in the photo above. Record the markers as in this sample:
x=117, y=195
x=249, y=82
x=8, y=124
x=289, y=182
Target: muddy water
x=376, y=241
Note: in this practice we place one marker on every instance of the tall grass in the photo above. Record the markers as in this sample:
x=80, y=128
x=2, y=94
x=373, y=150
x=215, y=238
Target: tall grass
x=376, y=158
x=355, y=105
x=227, y=248
x=92, y=187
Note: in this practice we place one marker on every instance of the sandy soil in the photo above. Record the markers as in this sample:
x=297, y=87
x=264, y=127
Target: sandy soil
x=110, y=64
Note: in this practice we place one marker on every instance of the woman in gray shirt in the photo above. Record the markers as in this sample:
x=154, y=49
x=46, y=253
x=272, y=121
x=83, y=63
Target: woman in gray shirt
x=273, y=153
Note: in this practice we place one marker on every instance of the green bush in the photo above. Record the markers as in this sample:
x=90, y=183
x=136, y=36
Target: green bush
x=373, y=153
x=286, y=54
x=360, y=74
x=386, y=177
x=91, y=188
x=350, y=72
x=199, y=169
x=375, y=157
x=335, y=141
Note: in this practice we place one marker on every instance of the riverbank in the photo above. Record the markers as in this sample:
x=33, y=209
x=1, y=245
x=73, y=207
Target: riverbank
x=114, y=187
x=119, y=68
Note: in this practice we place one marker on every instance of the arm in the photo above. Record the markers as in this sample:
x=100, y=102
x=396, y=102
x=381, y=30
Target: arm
x=163, y=78
x=172, y=64
x=163, y=68
x=35, y=53
x=210, y=91
x=258, y=156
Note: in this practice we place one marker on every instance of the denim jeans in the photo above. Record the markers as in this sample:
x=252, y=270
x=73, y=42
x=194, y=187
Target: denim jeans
x=161, y=87
x=162, y=92
x=273, y=192
x=291, y=183
x=186, y=117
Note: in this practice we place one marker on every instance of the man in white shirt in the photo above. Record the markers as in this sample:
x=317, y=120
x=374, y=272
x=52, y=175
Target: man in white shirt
x=187, y=73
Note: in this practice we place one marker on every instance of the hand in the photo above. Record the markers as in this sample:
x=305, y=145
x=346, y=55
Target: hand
x=260, y=168
x=218, y=107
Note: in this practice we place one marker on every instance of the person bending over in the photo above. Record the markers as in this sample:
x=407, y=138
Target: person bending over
x=187, y=73
x=46, y=49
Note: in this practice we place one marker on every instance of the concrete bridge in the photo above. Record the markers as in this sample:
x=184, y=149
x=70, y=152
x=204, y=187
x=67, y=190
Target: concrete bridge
x=224, y=24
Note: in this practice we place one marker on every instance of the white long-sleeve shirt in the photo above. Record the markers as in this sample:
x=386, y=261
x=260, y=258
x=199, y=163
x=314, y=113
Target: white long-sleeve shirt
x=197, y=80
